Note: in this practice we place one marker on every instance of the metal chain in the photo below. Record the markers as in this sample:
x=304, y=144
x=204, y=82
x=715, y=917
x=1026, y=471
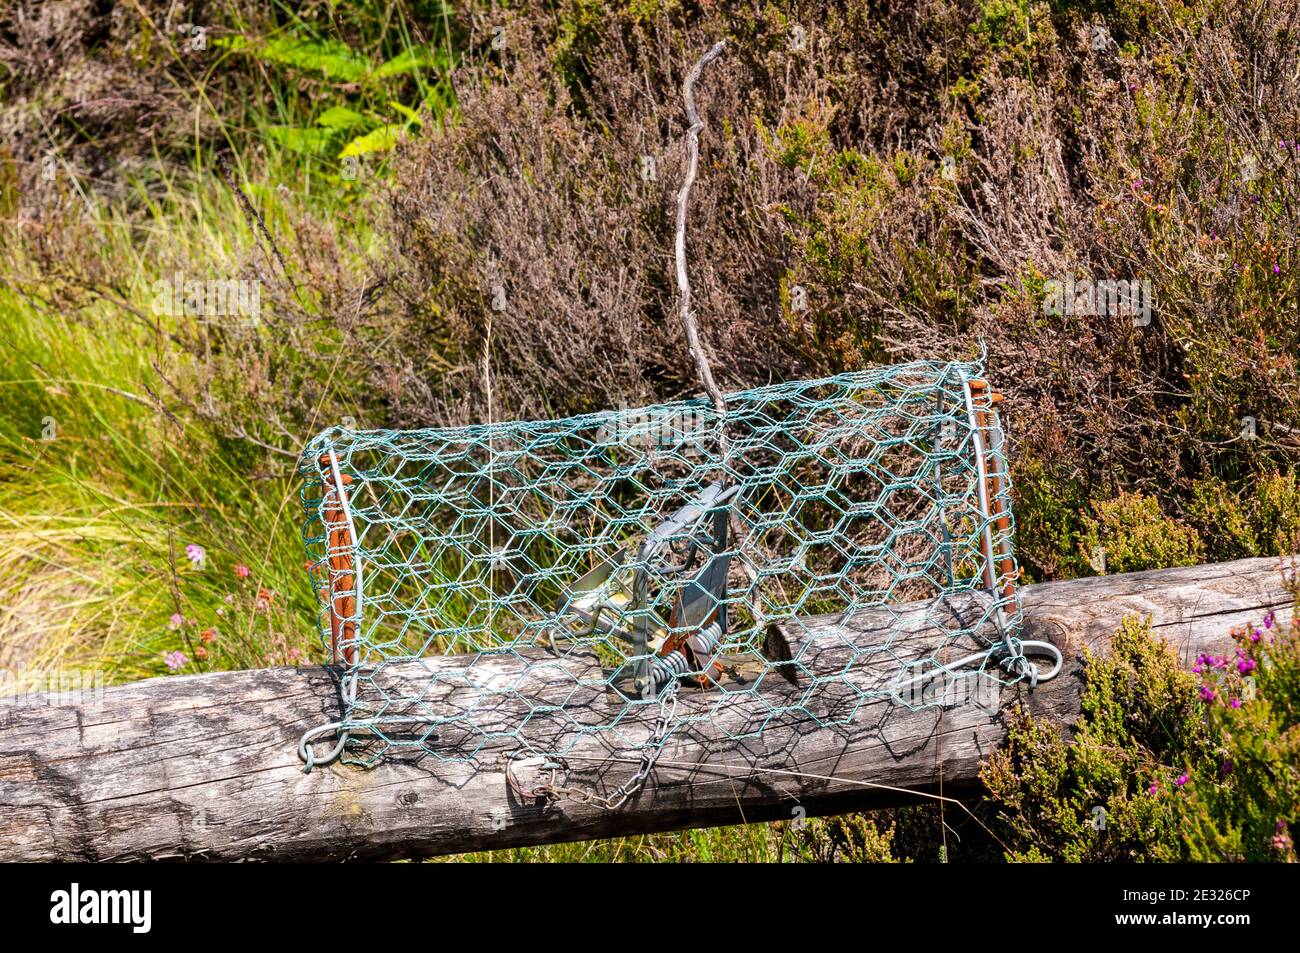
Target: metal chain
x=551, y=791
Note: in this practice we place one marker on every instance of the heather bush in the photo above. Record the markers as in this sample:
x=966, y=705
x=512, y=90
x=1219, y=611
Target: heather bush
x=881, y=181
x=1130, y=533
x=1162, y=763
x=1262, y=518
x=884, y=181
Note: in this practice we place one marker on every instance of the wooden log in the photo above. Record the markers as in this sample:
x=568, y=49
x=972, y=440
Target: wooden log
x=205, y=767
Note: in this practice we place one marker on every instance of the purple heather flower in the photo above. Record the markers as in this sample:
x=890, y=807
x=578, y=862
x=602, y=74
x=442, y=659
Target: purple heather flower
x=1235, y=703
x=1256, y=636
x=1269, y=620
x=176, y=621
x=1207, y=693
x=1246, y=665
x=1181, y=779
x=1155, y=786
x=175, y=660
x=195, y=554
x=1276, y=269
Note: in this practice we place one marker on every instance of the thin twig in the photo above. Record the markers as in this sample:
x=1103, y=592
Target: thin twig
x=255, y=220
x=696, y=124
x=683, y=282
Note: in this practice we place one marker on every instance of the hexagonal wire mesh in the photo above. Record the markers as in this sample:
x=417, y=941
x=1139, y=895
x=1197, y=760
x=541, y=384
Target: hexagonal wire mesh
x=532, y=584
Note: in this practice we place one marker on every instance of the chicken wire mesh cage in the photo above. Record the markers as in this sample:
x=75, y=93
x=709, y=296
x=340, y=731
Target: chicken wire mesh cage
x=531, y=586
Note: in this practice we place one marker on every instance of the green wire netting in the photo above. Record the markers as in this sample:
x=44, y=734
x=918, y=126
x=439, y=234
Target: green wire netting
x=530, y=586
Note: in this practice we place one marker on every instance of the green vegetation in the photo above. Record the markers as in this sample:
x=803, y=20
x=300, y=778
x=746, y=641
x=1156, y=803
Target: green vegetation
x=131, y=434
x=1130, y=533
x=1163, y=764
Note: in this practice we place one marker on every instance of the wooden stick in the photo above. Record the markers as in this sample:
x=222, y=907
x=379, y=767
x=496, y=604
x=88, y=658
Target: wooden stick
x=683, y=280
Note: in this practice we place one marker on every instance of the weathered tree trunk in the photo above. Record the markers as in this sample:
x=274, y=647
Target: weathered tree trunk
x=206, y=766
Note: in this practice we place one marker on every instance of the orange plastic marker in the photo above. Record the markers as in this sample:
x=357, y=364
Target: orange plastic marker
x=343, y=601
x=993, y=488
